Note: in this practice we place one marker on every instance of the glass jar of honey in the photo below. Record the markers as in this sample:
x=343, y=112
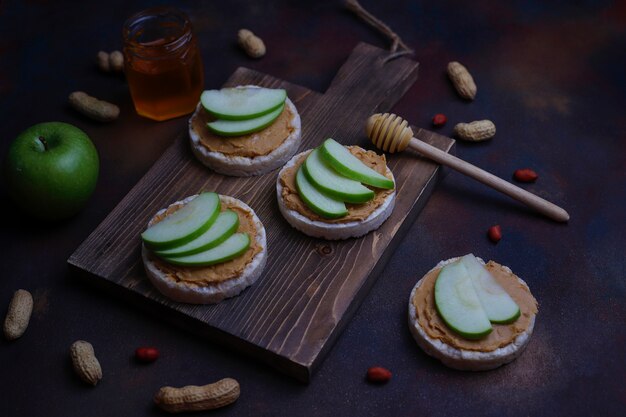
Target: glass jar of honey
x=162, y=63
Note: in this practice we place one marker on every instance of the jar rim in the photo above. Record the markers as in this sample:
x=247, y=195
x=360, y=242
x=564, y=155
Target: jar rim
x=134, y=23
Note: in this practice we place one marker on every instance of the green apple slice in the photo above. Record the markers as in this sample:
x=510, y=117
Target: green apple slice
x=224, y=226
x=351, y=167
x=243, y=127
x=330, y=182
x=242, y=103
x=496, y=302
x=231, y=248
x=458, y=304
x=317, y=201
x=185, y=224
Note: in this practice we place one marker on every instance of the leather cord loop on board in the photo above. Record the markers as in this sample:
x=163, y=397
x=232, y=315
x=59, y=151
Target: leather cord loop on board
x=370, y=19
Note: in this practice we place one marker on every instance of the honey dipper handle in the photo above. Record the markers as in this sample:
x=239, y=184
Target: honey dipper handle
x=531, y=200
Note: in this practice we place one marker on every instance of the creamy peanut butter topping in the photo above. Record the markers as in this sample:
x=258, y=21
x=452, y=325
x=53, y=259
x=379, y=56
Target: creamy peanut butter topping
x=204, y=275
x=502, y=334
x=356, y=212
x=254, y=144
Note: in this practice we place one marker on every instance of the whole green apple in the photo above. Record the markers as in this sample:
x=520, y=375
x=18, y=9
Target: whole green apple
x=51, y=170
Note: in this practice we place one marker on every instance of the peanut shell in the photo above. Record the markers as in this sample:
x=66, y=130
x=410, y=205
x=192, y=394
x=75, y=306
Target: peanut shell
x=197, y=398
x=462, y=80
x=85, y=363
x=18, y=315
x=475, y=131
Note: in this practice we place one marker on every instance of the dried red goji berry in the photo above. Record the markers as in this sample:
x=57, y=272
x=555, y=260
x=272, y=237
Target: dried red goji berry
x=147, y=354
x=378, y=375
x=439, y=119
x=525, y=175
x=495, y=233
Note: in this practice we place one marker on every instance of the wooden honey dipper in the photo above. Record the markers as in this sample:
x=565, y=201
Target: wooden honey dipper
x=391, y=133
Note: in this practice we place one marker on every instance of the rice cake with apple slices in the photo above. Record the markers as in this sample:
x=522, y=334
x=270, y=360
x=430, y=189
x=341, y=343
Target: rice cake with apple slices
x=210, y=284
x=361, y=218
x=252, y=154
x=504, y=344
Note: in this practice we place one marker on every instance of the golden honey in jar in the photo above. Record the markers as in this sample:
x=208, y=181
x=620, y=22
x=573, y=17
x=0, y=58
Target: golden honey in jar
x=162, y=63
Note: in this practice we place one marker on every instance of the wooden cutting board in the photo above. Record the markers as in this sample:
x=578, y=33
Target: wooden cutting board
x=310, y=287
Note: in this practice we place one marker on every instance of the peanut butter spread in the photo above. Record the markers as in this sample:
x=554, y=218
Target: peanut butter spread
x=203, y=275
x=254, y=144
x=356, y=212
x=502, y=334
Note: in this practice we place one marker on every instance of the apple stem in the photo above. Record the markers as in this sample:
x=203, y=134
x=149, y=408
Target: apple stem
x=43, y=142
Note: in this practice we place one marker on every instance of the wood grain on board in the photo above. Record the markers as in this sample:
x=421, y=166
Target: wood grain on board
x=310, y=287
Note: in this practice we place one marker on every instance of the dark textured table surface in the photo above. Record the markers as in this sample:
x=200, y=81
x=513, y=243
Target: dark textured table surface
x=551, y=77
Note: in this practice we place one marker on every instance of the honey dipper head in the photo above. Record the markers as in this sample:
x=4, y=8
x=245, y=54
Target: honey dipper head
x=388, y=132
